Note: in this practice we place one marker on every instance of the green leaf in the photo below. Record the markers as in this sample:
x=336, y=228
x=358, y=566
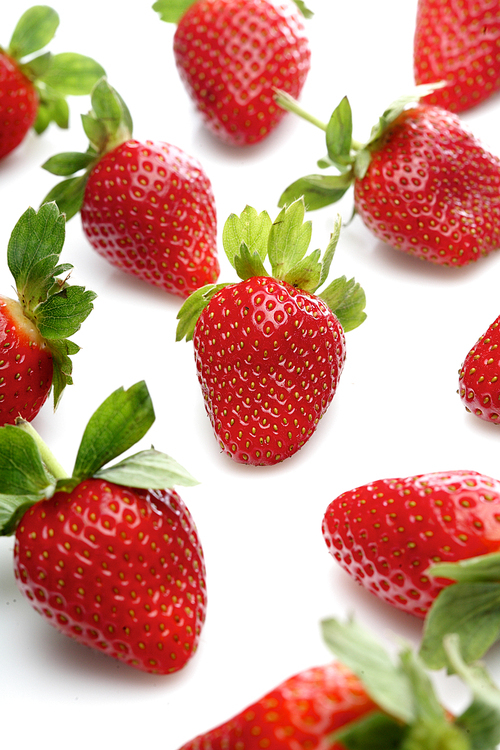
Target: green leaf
x=249, y=228
x=339, y=134
x=192, y=309
x=37, y=66
x=52, y=107
x=69, y=162
x=474, y=569
x=68, y=195
x=347, y=300
x=397, y=107
x=289, y=239
x=96, y=132
x=306, y=274
x=317, y=190
x=109, y=108
x=34, y=30
x=375, y=731
x=72, y=74
x=330, y=250
x=304, y=9
x=472, y=611
x=120, y=422
x=12, y=509
x=62, y=314
x=248, y=265
x=386, y=683
x=148, y=469
x=172, y=11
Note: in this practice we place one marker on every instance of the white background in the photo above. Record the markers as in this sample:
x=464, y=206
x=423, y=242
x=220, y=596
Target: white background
x=270, y=578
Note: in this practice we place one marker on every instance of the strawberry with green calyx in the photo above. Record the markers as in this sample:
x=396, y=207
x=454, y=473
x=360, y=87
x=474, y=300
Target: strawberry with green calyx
x=109, y=555
x=146, y=207
x=33, y=89
x=366, y=700
x=35, y=346
x=232, y=54
x=270, y=349
x=407, y=540
x=422, y=182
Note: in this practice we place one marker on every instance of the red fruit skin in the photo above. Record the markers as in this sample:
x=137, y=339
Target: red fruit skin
x=120, y=570
x=432, y=190
x=18, y=105
x=387, y=533
x=458, y=43
x=478, y=383
x=25, y=365
x=300, y=713
x=149, y=209
x=268, y=357
x=232, y=54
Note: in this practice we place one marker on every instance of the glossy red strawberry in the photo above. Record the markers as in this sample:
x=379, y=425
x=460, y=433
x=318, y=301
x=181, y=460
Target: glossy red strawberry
x=147, y=207
x=33, y=88
x=458, y=43
x=35, y=349
x=479, y=384
x=232, y=54
x=364, y=700
x=114, y=565
x=422, y=183
x=269, y=352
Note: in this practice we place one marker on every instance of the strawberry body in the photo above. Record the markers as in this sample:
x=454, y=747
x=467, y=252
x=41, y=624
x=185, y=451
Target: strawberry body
x=479, y=385
x=268, y=357
x=25, y=365
x=387, y=533
x=431, y=189
x=458, y=43
x=18, y=105
x=149, y=209
x=118, y=569
x=232, y=54
x=300, y=713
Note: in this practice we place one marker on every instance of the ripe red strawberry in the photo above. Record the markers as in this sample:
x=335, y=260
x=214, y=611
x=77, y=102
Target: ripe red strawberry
x=147, y=207
x=34, y=329
x=422, y=183
x=111, y=563
x=387, y=534
x=33, y=91
x=458, y=43
x=479, y=385
x=269, y=352
x=364, y=700
x=232, y=54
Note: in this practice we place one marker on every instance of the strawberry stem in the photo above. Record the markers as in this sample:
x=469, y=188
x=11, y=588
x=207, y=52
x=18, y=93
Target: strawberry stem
x=49, y=460
x=285, y=101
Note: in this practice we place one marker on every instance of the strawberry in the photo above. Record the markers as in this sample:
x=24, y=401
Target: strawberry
x=269, y=351
x=33, y=91
x=232, y=54
x=109, y=556
x=146, y=207
x=422, y=182
x=458, y=43
x=34, y=329
x=407, y=540
x=479, y=388
x=364, y=700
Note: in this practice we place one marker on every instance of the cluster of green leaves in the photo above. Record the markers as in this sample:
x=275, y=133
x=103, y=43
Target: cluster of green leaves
x=251, y=238
x=54, y=76
x=29, y=473
x=411, y=717
x=55, y=307
x=172, y=11
x=106, y=125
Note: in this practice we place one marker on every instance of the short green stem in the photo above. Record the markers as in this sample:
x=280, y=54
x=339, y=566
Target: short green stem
x=48, y=458
x=287, y=102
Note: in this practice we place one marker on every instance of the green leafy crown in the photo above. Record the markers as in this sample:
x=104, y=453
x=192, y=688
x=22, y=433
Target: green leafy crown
x=54, y=76
x=30, y=473
x=172, y=11
x=106, y=125
x=55, y=307
x=250, y=238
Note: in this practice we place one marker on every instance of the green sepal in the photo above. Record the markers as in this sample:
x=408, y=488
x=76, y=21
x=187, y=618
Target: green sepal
x=37, y=66
x=192, y=309
x=347, y=300
x=248, y=265
x=317, y=190
x=52, y=107
x=71, y=74
x=148, y=469
x=251, y=229
x=69, y=162
x=375, y=731
x=62, y=313
x=34, y=30
x=289, y=239
x=304, y=9
x=339, y=135
x=68, y=195
x=172, y=11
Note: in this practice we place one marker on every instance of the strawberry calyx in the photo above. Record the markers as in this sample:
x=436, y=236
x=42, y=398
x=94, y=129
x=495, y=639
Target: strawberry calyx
x=469, y=606
x=411, y=715
x=54, y=77
x=351, y=158
x=252, y=238
x=107, y=125
x=172, y=11
x=29, y=472
x=54, y=307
